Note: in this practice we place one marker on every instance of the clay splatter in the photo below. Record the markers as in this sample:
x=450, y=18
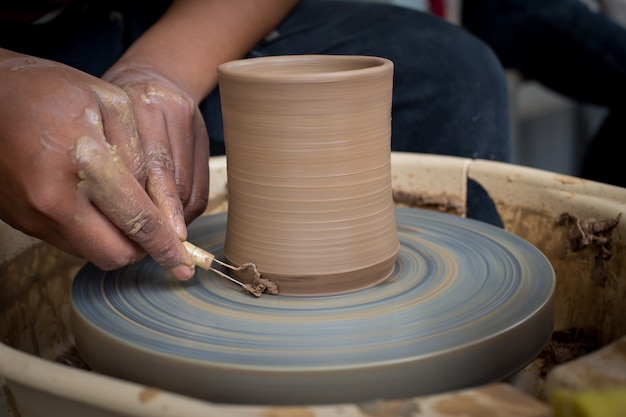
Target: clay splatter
x=590, y=233
x=441, y=203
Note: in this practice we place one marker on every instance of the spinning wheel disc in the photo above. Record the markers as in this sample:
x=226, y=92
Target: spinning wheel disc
x=468, y=304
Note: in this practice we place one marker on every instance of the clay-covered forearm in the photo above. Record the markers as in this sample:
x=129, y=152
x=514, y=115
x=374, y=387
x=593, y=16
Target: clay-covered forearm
x=194, y=36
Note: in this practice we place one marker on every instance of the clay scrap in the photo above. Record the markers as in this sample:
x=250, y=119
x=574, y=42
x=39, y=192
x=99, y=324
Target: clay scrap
x=590, y=233
x=260, y=285
x=441, y=202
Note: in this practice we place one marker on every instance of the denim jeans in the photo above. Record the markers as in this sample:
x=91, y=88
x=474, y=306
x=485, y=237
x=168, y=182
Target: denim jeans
x=570, y=49
x=449, y=92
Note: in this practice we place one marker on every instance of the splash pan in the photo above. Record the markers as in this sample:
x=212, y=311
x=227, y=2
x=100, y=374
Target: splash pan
x=467, y=304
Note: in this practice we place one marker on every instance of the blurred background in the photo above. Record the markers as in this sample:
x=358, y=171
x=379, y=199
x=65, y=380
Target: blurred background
x=549, y=131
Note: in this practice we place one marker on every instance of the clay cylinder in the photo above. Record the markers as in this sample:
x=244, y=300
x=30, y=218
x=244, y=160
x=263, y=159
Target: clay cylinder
x=308, y=142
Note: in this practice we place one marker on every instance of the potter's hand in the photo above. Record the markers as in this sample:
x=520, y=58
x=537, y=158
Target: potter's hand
x=174, y=139
x=72, y=170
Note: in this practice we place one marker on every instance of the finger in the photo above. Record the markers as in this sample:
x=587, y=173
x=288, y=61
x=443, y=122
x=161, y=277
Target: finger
x=119, y=196
x=182, y=139
x=119, y=128
x=199, y=197
x=92, y=236
x=161, y=170
x=64, y=217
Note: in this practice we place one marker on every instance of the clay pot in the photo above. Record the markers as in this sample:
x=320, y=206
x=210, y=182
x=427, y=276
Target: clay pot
x=309, y=173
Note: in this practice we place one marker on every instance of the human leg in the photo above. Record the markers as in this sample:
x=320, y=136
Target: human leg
x=603, y=159
x=449, y=90
x=570, y=49
x=560, y=43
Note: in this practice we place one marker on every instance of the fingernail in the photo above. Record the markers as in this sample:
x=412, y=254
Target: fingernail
x=183, y=272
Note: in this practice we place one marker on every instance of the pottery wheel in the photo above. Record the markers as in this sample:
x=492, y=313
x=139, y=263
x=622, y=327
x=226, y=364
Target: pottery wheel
x=468, y=304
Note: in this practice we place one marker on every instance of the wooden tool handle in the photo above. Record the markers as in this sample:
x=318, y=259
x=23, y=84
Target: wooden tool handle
x=200, y=257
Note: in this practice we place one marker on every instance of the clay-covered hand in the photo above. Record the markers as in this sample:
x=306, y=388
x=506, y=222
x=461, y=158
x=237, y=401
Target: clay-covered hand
x=174, y=140
x=73, y=170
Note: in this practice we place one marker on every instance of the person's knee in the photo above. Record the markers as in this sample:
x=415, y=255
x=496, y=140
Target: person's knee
x=469, y=61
